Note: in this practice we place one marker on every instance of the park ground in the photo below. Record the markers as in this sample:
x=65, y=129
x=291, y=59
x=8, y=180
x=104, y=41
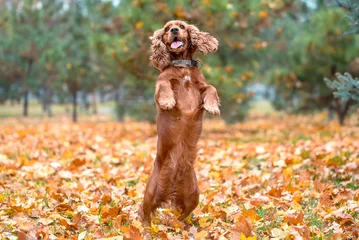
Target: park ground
x=274, y=176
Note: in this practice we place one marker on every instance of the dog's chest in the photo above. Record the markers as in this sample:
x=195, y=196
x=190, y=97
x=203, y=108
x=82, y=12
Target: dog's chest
x=186, y=78
x=187, y=81
x=188, y=95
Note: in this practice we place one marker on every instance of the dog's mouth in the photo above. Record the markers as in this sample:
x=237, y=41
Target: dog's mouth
x=176, y=43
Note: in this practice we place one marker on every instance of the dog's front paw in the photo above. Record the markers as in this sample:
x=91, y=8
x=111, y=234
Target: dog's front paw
x=166, y=102
x=212, y=108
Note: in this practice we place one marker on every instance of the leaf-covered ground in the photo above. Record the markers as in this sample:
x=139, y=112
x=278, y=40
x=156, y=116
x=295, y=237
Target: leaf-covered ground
x=283, y=177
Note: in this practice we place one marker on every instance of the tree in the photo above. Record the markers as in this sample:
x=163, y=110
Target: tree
x=346, y=87
x=18, y=50
x=237, y=62
x=77, y=49
x=314, y=47
x=62, y=50
x=346, y=90
x=31, y=49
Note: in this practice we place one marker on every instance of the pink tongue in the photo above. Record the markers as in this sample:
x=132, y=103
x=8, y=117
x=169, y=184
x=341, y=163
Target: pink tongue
x=176, y=44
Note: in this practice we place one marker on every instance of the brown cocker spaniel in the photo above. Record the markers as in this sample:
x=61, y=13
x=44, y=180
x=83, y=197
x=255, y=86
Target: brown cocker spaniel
x=181, y=96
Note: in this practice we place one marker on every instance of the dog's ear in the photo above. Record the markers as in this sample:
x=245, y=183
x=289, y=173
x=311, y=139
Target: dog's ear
x=202, y=41
x=160, y=56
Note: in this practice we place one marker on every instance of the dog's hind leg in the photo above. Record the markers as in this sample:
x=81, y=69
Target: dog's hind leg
x=188, y=197
x=190, y=204
x=148, y=205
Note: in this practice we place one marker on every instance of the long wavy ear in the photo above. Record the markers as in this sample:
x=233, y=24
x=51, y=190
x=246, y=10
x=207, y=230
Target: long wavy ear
x=202, y=41
x=160, y=56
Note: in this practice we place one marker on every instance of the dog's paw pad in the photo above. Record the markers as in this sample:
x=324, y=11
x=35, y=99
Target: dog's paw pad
x=212, y=109
x=167, y=103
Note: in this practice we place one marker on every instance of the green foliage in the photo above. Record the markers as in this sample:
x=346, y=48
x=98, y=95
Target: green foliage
x=346, y=87
x=89, y=45
x=142, y=110
x=308, y=48
x=99, y=46
x=352, y=14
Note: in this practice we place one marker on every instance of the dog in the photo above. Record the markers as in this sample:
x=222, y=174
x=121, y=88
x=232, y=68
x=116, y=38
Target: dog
x=181, y=95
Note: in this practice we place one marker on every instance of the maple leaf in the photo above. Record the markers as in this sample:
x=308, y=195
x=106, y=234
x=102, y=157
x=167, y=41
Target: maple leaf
x=281, y=177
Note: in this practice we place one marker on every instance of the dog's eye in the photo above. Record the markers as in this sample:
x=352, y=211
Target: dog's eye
x=167, y=28
x=181, y=26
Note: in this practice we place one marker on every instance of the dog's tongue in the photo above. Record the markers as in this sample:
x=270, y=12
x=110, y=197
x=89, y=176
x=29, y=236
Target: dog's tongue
x=176, y=44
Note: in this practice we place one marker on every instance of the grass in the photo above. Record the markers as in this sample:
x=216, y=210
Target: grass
x=35, y=109
x=261, y=107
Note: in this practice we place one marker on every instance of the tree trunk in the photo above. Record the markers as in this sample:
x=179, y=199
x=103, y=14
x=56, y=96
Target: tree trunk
x=26, y=101
x=74, y=106
x=120, y=100
x=45, y=100
x=44, y=105
x=94, y=102
x=49, y=103
x=47, y=97
x=85, y=103
x=342, y=110
x=26, y=89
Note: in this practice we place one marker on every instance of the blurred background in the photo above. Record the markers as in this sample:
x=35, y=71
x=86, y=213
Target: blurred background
x=84, y=57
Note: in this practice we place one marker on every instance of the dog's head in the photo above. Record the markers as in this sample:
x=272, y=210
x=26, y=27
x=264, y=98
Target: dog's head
x=178, y=37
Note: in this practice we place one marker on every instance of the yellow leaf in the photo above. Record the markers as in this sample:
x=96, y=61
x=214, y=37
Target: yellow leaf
x=205, y=222
x=262, y=15
x=188, y=220
x=233, y=14
x=139, y=25
x=296, y=205
x=214, y=175
x=243, y=237
x=2, y=198
x=288, y=173
x=154, y=229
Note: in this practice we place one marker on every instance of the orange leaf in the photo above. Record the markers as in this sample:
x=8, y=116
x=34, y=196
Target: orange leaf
x=294, y=217
x=135, y=233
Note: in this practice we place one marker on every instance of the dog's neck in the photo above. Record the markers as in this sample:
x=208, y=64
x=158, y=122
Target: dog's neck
x=182, y=56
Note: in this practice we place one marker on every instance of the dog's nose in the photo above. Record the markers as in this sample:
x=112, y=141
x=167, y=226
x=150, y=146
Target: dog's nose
x=174, y=30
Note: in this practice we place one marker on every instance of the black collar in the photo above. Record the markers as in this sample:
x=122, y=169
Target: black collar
x=187, y=63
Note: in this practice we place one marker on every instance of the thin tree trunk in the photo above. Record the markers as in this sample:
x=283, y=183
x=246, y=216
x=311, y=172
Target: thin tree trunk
x=86, y=102
x=47, y=97
x=49, y=103
x=26, y=88
x=342, y=110
x=44, y=105
x=74, y=106
x=94, y=102
x=120, y=99
x=26, y=102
